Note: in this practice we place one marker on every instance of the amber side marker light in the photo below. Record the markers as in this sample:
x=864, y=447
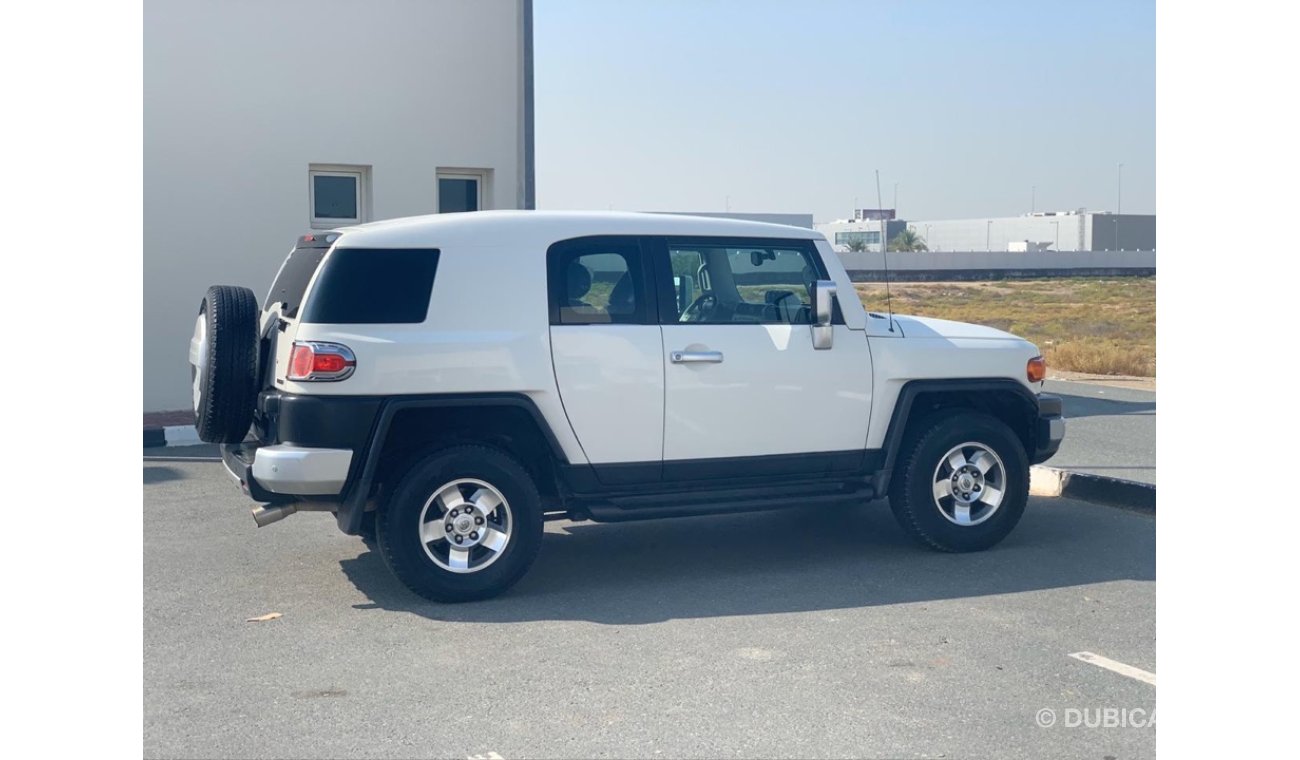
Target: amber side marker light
x=1036, y=369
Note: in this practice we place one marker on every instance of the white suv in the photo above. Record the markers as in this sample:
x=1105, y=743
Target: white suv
x=444, y=384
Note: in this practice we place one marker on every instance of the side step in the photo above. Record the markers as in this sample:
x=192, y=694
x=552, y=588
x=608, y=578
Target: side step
x=685, y=504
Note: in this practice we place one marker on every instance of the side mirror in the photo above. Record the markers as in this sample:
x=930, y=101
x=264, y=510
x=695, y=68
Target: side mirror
x=823, y=298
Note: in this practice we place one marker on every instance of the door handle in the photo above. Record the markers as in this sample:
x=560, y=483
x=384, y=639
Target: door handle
x=683, y=357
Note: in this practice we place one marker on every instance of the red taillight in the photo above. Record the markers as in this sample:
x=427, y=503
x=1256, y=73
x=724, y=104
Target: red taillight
x=320, y=361
x=328, y=363
x=301, y=361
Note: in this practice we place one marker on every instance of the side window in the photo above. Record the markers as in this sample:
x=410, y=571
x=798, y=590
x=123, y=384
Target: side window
x=596, y=281
x=730, y=283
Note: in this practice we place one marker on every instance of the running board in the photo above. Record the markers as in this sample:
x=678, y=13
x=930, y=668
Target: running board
x=651, y=507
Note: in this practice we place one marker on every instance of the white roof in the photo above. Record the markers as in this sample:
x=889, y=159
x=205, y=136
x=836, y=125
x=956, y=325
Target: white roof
x=495, y=228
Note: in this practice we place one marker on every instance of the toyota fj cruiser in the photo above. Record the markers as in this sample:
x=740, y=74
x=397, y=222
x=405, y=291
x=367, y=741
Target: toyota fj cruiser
x=444, y=384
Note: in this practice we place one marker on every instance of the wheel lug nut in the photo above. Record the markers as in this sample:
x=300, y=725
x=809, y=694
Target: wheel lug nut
x=448, y=527
x=459, y=539
x=473, y=536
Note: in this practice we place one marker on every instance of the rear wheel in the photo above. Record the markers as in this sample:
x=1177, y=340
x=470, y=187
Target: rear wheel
x=962, y=482
x=463, y=524
x=223, y=364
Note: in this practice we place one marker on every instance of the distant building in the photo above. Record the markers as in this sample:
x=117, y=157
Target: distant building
x=1042, y=231
x=860, y=234
x=794, y=220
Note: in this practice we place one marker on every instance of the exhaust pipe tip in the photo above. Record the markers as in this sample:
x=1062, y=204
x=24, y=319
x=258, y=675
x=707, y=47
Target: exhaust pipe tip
x=265, y=515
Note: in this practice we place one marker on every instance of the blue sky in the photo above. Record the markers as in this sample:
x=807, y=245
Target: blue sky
x=791, y=106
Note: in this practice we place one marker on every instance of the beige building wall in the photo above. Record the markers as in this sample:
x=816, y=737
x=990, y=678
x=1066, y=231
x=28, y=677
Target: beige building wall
x=242, y=97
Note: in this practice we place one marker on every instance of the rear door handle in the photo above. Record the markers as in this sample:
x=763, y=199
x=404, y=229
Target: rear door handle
x=683, y=357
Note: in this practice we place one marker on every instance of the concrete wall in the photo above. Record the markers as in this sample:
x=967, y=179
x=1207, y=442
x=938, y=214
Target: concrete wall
x=960, y=265
x=240, y=97
x=1121, y=232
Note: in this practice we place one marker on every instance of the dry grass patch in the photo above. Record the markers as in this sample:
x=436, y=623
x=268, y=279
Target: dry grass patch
x=1084, y=324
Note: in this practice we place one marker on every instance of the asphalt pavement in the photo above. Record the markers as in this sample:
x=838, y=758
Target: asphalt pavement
x=1108, y=431
x=802, y=633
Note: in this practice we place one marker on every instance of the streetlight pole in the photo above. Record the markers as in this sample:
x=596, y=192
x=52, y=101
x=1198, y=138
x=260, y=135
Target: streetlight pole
x=1119, y=189
x=895, y=199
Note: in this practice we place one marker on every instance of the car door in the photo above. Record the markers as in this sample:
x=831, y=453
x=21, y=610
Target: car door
x=742, y=379
x=607, y=350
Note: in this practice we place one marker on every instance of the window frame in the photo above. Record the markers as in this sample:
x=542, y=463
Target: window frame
x=663, y=275
x=358, y=173
x=559, y=253
x=480, y=178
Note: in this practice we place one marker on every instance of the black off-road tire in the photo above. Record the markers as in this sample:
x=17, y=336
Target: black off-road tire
x=226, y=385
x=398, y=524
x=911, y=492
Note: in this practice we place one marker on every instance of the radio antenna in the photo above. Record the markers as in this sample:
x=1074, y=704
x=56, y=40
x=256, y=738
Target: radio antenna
x=884, y=252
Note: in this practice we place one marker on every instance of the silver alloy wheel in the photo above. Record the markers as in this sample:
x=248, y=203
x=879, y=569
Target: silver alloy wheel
x=199, y=355
x=969, y=484
x=465, y=525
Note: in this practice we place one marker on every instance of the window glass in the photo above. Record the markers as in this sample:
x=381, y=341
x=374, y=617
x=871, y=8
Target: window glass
x=457, y=194
x=291, y=282
x=596, y=281
x=334, y=196
x=597, y=288
x=742, y=285
x=373, y=286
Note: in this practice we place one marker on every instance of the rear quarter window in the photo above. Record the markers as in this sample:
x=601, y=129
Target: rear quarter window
x=291, y=283
x=373, y=286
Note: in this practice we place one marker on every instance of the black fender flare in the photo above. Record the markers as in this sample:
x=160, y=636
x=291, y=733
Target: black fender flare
x=365, y=464
x=907, y=397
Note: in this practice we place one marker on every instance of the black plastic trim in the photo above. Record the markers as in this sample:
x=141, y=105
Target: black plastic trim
x=365, y=460
x=907, y=395
x=604, y=480
x=328, y=422
x=1050, y=407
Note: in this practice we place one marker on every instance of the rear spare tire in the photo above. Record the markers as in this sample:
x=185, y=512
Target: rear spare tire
x=223, y=364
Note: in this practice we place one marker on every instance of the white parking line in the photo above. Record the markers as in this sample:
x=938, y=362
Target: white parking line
x=1117, y=667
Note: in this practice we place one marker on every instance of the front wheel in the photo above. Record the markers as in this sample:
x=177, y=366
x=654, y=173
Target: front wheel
x=463, y=524
x=962, y=482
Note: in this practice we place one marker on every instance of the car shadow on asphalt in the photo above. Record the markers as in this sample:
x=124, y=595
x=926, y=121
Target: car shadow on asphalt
x=161, y=474
x=778, y=562
x=1091, y=406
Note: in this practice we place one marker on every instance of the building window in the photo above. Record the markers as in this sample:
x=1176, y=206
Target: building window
x=849, y=238
x=461, y=190
x=337, y=195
